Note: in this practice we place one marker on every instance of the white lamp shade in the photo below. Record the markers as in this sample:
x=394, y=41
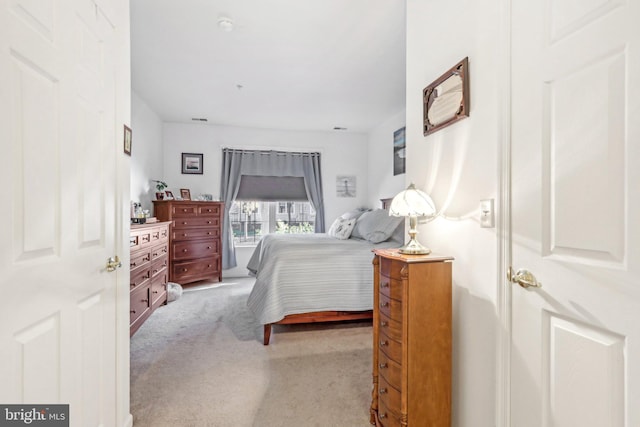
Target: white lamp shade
x=412, y=202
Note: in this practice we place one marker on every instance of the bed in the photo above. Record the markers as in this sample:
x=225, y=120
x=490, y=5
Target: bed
x=322, y=277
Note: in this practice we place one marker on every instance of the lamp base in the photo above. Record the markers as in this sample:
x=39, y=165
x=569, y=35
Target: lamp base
x=414, y=248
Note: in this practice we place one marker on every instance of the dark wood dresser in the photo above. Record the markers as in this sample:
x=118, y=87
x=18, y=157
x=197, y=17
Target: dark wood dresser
x=149, y=266
x=411, y=340
x=195, y=250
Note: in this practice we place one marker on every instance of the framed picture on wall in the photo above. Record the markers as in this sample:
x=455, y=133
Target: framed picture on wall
x=192, y=163
x=127, y=140
x=399, y=152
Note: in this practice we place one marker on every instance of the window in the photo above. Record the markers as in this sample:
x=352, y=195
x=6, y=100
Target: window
x=250, y=220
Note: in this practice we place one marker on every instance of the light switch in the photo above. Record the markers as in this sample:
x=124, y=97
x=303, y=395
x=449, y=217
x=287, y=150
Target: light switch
x=487, y=215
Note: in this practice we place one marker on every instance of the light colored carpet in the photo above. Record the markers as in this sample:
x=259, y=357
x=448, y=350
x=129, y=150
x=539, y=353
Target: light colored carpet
x=200, y=362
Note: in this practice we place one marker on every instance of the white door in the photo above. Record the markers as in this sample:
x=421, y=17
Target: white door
x=57, y=169
x=575, y=356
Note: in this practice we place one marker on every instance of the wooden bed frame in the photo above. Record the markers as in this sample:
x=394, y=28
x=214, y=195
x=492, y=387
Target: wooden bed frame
x=322, y=316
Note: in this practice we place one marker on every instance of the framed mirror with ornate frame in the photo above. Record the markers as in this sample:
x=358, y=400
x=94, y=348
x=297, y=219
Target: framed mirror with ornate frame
x=446, y=100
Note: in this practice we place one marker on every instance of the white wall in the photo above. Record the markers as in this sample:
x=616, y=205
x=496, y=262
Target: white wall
x=458, y=166
x=342, y=154
x=147, y=159
x=382, y=183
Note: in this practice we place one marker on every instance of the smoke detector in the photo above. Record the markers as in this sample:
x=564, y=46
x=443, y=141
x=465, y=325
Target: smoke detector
x=225, y=23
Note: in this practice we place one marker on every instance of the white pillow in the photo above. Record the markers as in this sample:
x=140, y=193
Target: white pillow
x=341, y=228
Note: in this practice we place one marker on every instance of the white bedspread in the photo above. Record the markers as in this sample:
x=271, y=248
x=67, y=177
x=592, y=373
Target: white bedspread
x=303, y=273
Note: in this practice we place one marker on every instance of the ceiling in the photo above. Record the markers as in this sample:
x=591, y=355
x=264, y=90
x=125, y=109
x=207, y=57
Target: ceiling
x=287, y=64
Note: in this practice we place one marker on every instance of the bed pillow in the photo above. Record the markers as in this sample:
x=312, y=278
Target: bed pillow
x=354, y=213
x=376, y=226
x=341, y=228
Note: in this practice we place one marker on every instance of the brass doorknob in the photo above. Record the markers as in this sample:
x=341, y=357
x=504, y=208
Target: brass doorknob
x=526, y=279
x=113, y=263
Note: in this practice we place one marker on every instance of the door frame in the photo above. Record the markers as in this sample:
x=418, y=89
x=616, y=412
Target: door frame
x=504, y=230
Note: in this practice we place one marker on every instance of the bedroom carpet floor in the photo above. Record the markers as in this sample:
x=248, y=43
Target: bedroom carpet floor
x=200, y=362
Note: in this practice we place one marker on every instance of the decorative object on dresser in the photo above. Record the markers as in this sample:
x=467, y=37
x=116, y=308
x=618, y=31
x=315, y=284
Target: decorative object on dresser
x=185, y=194
x=413, y=203
x=160, y=186
x=149, y=248
x=411, y=340
x=195, y=243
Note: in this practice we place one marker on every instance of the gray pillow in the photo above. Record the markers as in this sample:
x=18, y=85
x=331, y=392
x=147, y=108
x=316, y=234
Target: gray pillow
x=354, y=213
x=376, y=226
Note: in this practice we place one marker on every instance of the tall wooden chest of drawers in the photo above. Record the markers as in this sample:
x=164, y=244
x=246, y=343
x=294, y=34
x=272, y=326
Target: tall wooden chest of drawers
x=195, y=251
x=149, y=267
x=411, y=340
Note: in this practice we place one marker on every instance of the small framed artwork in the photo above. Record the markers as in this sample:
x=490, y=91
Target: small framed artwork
x=399, y=152
x=192, y=163
x=185, y=194
x=168, y=194
x=127, y=140
x=446, y=100
x=345, y=186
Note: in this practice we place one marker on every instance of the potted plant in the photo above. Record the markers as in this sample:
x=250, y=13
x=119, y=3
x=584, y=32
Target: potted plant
x=160, y=186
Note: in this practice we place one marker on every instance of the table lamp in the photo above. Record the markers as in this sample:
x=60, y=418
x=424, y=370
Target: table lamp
x=412, y=203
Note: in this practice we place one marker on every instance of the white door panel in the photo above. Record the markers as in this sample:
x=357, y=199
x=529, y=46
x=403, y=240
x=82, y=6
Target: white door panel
x=575, y=203
x=57, y=127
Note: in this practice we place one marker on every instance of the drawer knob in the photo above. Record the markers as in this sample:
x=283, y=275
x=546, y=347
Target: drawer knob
x=208, y=222
x=383, y=366
x=132, y=311
x=185, y=250
x=384, y=285
x=384, y=323
x=184, y=270
x=208, y=247
x=384, y=343
x=384, y=304
x=144, y=300
x=383, y=391
x=383, y=416
x=155, y=292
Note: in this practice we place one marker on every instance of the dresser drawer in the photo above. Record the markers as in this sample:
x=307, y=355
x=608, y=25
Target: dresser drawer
x=139, y=239
x=158, y=265
x=391, y=268
x=391, y=308
x=386, y=416
x=392, y=349
x=209, y=210
x=185, y=271
x=390, y=370
x=182, y=210
x=159, y=288
x=195, y=233
x=392, y=328
x=389, y=396
x=190, y=250
x=140, y=276
x=158, y=235
x=391, y=287
x=160, y=250
x=139, y=305
x=180, y=223
x=139, y=258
